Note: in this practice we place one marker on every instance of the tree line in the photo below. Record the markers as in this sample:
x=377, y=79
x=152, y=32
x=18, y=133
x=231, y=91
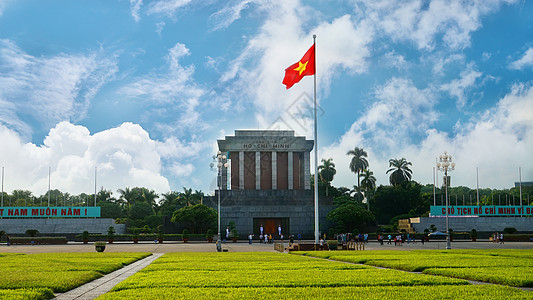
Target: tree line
x=367, y=205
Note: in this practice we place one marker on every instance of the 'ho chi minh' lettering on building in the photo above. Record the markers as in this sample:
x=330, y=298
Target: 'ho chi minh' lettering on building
x=266, y=160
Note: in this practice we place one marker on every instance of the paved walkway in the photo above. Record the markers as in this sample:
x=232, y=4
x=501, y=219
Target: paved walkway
x=104, y=284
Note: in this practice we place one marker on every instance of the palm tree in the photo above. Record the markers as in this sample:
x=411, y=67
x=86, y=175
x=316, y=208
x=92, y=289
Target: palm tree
x=327, y=171
x=400, y=171
x=358, y=162
x=186, y=198
x=126, y=196
x=368, y=184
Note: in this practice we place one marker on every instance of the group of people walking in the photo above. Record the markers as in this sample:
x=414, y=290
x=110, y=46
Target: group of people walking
x=497, y=237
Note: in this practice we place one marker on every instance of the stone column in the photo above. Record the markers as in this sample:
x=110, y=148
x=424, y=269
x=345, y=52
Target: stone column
x=241, y=170
x=224, y=178
x=307, y=172
x=274, y=171
x=290, y=176
x=257, y=170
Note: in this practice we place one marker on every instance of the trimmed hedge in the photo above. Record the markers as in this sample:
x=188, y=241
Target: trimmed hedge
x=39, y=240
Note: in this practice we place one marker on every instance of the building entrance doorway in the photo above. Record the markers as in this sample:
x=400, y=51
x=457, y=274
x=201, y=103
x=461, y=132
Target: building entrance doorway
x=270, y=226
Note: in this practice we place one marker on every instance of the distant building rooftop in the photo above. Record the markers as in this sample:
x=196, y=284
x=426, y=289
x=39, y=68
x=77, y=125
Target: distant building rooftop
x=524, y=183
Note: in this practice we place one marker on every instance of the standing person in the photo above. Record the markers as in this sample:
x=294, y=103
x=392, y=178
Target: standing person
x=261, y=229
x=501, y=238
x=279, y=230
x=321, y=244
x=366, y=238
x=260, y=238
x=299, y=237
x=227, y=234
x=266, y=238
x=291, y=239
x=270, y=238
x=250, y=236
x=8, y=240
x=422, y=238
x=390, y=238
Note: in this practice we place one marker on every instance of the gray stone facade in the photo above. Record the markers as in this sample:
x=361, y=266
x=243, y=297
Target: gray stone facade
x=60, y=226
x=270, y=184
x=295, y=207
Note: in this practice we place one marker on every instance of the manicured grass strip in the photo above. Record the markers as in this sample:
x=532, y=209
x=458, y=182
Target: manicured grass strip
x=495, y=266
x=243, y=261
x=281, y=278
x=520, y=277
x=220, y=270
x=382, y=292
x=60, y=272
x=57, y=281
x=35, y=294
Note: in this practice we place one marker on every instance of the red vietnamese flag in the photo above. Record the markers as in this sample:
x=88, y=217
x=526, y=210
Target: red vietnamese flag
x=306, y=66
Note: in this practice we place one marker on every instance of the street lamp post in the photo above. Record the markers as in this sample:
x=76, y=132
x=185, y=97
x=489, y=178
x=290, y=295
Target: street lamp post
x=222, y=162
x=445, y=164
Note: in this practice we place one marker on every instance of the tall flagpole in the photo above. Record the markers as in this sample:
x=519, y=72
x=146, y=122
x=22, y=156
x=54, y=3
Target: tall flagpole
x=316, y=152
x=49, y=170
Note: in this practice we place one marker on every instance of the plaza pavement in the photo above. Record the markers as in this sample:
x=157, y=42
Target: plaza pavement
x=243, y=246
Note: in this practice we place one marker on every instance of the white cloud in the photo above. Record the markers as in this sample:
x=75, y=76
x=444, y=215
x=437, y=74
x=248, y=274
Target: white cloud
x=175, y=86
x=135, y=6
x=3, y=5
x=400, y=111
x=458, y=87
x=497, y=141
x=424, y=22
x=395, y=60
x=125, y=156
x=227, y=15
x=166, y=7
x=525, y=61
x=49, y=89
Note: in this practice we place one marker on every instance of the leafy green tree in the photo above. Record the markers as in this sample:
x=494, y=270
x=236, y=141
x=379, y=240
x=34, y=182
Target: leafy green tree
x=327, y=172
x=406, y=198
x=358, y=162
x=169, y=203
x=350, y=216
x=110, y=210
x=198, y=218
x=140, y=210
x=400, y=171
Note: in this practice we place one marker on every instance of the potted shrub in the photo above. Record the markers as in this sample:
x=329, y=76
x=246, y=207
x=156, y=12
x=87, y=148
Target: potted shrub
x=110, y=234
x=185, y=235
x=473, y=235
x=99, y=246
x=234, y=235
x=209, y=235
x=85, y=237
x=135, y=236
x=32, y=233
x=160, y=234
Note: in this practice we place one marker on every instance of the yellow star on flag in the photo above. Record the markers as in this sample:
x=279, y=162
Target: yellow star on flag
x=301, y=67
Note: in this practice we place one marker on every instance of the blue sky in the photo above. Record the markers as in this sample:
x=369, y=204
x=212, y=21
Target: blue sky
x=142, y=89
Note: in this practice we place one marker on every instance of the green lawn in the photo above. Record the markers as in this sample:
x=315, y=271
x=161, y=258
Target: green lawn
x=507, y=267
x=283, y=276
x=38, y=276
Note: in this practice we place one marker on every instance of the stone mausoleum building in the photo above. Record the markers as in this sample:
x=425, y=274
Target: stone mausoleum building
x=267, y=183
